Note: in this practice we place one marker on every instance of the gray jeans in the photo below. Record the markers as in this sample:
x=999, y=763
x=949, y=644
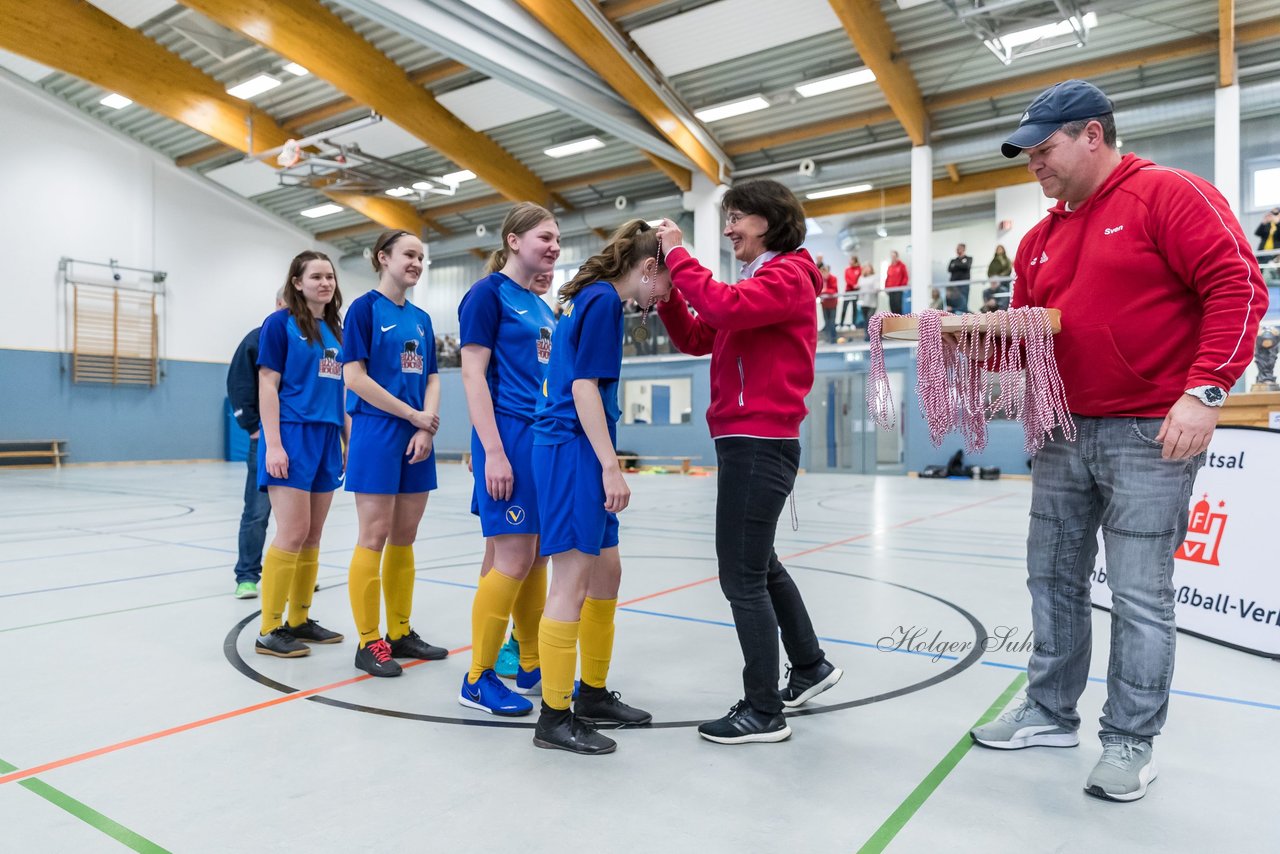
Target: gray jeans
x=1112, y=476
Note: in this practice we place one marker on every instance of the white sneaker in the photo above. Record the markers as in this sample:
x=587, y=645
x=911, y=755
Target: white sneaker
x=1025, y=726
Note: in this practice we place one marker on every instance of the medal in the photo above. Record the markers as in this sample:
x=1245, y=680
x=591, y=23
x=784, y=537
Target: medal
x=640, y=333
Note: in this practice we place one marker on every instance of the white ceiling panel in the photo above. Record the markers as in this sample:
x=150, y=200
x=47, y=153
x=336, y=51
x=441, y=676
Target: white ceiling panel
x=384, y=139
x=492, y=103
x=25, y=68
x=131, y=13
x=729, y=29
x=246, y=177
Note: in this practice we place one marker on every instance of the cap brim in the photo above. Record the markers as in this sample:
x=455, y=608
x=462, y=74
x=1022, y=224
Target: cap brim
x=1028, y=136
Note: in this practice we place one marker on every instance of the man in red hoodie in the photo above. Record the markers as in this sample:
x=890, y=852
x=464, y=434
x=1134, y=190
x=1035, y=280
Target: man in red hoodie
x=762, y=335
x=1160, y=299
x=895, y=282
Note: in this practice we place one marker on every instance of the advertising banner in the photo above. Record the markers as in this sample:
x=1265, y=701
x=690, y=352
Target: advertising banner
x=1226, y=581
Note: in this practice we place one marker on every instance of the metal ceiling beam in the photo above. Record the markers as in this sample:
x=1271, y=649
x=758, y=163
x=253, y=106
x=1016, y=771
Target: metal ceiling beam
x=502, y=41
x=585, y=30
x=1226, y=42
x=901, y=194
x=306, y=32
x=298, y=124
x=871, y=35
x=94, y=46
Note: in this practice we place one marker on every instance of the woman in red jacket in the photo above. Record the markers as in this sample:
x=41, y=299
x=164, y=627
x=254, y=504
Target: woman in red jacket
x=762, y=335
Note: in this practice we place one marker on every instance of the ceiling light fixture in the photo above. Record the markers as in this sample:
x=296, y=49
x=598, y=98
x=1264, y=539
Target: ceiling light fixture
x=838, y=191
x=253, y=86
x=834, y=84
x=320, y=210
x=115, y=102
x=591, y=143
x=397, y=192
x=295, y=69
x=1044, y=37
x=731, y=109
x=456, y=178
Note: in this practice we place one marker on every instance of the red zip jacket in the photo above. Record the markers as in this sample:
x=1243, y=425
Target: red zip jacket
x=762, y=334
x=896, y=275
x=1158, y=289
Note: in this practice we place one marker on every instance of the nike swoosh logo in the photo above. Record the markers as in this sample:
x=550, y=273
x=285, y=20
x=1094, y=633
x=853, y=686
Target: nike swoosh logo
x=385, y=328
x=518, y=311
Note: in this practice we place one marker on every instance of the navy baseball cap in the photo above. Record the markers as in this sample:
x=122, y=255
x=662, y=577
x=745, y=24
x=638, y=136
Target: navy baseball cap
x=1069, y=101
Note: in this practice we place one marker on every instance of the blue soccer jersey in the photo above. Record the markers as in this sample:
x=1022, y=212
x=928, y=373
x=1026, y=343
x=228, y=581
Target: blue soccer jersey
x=310, y=371
x=397, y=345
x=587, y=345
x=515, y=324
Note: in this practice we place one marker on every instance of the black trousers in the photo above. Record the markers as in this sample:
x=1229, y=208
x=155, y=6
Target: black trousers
x=895, y=301
x=755, y=477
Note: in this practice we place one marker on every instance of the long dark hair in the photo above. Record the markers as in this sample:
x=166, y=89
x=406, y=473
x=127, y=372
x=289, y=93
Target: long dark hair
x=297, y=303
x=525, y=216
x=631, y=244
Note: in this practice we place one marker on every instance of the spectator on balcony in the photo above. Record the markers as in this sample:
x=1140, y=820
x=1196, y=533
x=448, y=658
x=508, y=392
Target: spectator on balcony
x=895, y=282
x=959, y=268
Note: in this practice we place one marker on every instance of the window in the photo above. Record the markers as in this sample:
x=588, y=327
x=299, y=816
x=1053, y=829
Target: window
x=657, y=401
x=1266, y=187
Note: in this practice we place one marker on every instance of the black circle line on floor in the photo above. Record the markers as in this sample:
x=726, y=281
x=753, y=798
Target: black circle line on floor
x=237, y=661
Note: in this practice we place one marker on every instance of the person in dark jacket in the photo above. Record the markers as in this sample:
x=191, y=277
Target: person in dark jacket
x=959, y=269
x=242, y=391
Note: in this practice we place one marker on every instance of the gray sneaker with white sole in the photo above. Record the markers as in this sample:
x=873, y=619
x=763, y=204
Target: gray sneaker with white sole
x=1126, y=768
x=1026, y=725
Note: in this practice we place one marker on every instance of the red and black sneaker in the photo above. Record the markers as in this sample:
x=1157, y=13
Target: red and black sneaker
x=375, y=659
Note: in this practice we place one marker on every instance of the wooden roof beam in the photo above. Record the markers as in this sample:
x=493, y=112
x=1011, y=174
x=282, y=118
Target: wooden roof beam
x=870, y=33
x=580, y=34
x=1226, y=42
x=901, y=194
x=306, y=32
x=94, y=46
x=800, y=133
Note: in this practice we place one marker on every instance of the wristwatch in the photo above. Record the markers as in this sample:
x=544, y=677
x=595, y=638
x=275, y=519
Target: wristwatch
x=1209, y=395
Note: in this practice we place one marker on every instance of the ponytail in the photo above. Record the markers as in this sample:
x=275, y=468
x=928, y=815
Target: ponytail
x=523, y=217
x=633, y=243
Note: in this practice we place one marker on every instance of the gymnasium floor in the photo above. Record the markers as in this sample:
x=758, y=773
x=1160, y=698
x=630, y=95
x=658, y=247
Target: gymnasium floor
x=133, y=711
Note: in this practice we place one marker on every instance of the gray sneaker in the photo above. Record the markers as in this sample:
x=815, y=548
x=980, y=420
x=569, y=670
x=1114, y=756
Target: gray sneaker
x=1025, y=726
x=1125, y=770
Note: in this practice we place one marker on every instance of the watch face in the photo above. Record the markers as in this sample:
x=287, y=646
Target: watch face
x=1213, y=394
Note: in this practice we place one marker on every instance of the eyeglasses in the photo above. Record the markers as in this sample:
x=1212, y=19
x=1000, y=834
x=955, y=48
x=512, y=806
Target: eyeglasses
x=735, y=217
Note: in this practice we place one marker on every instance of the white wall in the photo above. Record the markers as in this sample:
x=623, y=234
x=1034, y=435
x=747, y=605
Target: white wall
x=1023, y=205
x=75, y=189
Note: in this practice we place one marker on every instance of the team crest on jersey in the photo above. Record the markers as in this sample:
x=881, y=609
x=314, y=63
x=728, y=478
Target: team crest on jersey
x=410, y=358
x=329, y=365
x=544, y=344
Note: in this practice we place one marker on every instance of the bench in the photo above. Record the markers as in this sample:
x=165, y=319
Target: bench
x=32, y=453
x=684, y=461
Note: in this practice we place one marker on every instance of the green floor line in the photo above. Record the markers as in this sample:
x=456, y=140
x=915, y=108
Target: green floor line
x=88, y=815
x=894, y=823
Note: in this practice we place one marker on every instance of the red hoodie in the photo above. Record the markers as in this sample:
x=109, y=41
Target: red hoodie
x=1158, y=289
x=762, y=334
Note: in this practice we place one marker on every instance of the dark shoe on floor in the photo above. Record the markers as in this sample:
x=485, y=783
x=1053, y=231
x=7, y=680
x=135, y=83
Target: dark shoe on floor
x=602, y=707
x=375, y=659
x=412, y=646
x=313, y=632
x=803, y=684
x=744, y=725
x=562, y=730
x=281, y=644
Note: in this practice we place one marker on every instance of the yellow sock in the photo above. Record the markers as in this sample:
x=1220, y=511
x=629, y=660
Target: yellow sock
x=489, y=613
x=277, y=573
x=527, y=613
x=365, y=591
x=596, y=639
x=304, y=586
x=397, y=588
x=558, y=647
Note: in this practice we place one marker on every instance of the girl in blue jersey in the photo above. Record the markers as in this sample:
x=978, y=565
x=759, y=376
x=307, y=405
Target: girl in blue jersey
x=300, y=458
x=581, y=488
x=390, y=368
x=506, y=343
